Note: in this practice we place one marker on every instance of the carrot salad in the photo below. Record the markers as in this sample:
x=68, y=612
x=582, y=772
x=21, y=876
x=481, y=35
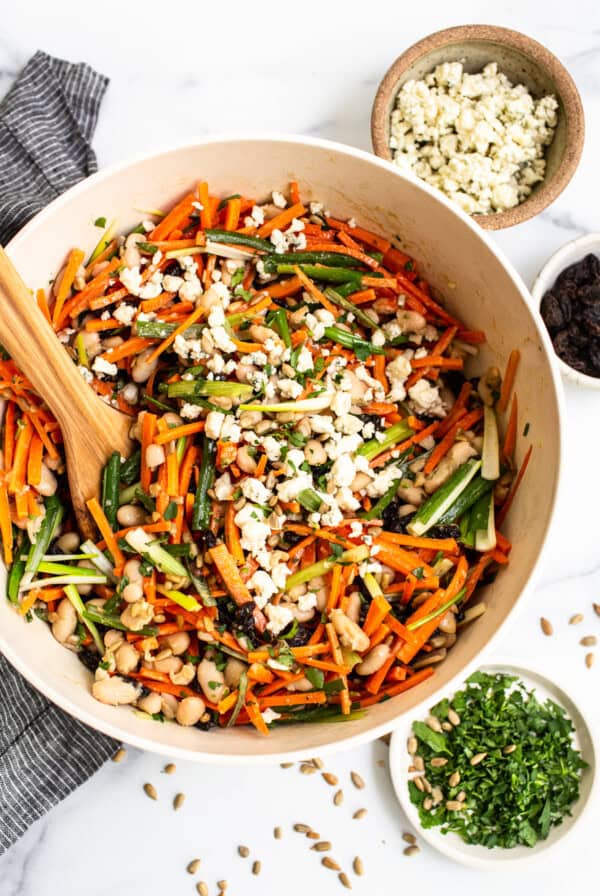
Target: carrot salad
x=318, y=489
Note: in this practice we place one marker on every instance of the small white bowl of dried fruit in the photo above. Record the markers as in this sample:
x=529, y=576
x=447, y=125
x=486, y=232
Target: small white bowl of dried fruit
x=485, y=114
x=498, y=772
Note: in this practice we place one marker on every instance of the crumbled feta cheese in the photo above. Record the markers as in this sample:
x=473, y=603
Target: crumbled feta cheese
x=278, y=199
x=289, y=388
x=397, y=372
x=426, y=398
x=305, y=360
x=269, y=715
x=346, y=500
x=214, y=424
x=356, y=529
x=349, y=424
x=263, y=586
x=378, y=338
x=322, y=424
x=255, y=218
x=223, y=487
x=230, y=430
x=102, y=368
x=316, y=208
x=190, y=411
x=477, y=137
x=341, y=403
x=272, y=448
x=307, y=601
x=289, y=489
x=253, y=530
x=343, y=470
x=254, y=490
x=279, y=574
x=86, y=373
x=279, y=617
x=125, y=313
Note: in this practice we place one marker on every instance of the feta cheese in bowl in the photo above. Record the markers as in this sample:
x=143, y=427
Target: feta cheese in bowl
x=486, y=115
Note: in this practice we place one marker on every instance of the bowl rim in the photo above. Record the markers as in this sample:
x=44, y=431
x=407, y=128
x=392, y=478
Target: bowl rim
x=534, y=676
x=544, y=59
x=114, y=729
x=565, y=255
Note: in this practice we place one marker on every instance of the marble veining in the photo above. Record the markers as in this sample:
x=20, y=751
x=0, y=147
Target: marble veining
x=311, y=69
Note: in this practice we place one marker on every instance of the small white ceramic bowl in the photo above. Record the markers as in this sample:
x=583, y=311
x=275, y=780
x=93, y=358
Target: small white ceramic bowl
x=481, y=857
x=568, y=254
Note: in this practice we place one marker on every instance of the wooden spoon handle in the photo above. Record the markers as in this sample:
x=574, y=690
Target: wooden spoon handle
x=30, y=340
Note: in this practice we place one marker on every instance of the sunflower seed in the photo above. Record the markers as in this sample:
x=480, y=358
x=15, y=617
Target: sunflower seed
x=277, y=833
x=446, y=726
x=589, y=660
x=433, y=723
x=193, y=866
x=358, y=867
x=256, y=866
x=454, y=779
x=427, y=803
x=329, y=863
x=436, y=795
x=285, y=764
x=222, y=885
x=120, y=755
x=243, y=851
x=318, y=763
x=412, y=850
x=477, y=758
x=322, y=846
x=510, y=748
x=307, y=769
x=596, y=609
x=302, y=828
x=426, y=785
x=360, y=813
x=589, y=641
x=332, y=780
x=454, y=806
x=150, y=790
x=411, y=745
x=546, y=626
x=419, y=763
x=202, y=888
x=576, y=619
x=357, y=780
x=409, y=838
x=438, y=762
x=338, y=798
x=170, y=768
x=453, y=717
x=178, y=801
x=418, y=782
x=461, y=796
x=344, y=880
x=313, y=835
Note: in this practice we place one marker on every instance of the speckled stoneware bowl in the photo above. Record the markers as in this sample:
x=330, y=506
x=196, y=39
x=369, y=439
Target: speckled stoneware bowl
x=524, y=61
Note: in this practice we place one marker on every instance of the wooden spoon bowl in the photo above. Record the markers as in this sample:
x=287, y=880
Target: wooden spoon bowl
x=91, y=429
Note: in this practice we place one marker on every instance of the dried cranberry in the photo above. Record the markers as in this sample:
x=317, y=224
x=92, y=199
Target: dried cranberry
x=556, y=311
x=173, y=269
x=590, y=318
x=392, y=522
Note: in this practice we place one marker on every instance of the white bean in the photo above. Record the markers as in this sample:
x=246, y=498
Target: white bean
x=115, y=691
x=190, y=711
x=132, y=570
x=151, y=703
x=178, y=642
x=351, y=635
x=126, y=658
x=66, y=623
x=68, y=543
x=168, y=705
x=374, y=660
x=245, y=462
x=142, y=368
x=314, y=452
x=211, y=679
x=353, y=607
x=131, y=515
x=233, y=671
x=155, y=456
x=47, y=484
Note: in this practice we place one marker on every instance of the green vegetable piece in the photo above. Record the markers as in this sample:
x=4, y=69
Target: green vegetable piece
x=110, y=488
x=238, y=239
x=201, y=508
x=432, y=510
x=434, y=739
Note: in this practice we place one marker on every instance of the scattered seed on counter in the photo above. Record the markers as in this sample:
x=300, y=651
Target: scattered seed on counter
x=409, y=838
x=243, y=851
x=222, y=885
x=358, y=866
x=589, y=641
x=313, y=835
x=193, y=866
x=331, y=779
x=202, y=888
x=318, y=763
x=589, y=660
x=380, y=763
x=338, y=798
x=285, y=764
x=357, y=780
x=170, y=769
x=576, y=619
x=277, y=833
x=150, y=791
x=412, y=850
x=328, y=862
x=256, y=867
x=596, y=609
x=307, y=769
x=360, y=813
x=302, y=828
x=120, y=755
x=178, y=801
x=344, y=880
x=322, y=846
x=546, y=627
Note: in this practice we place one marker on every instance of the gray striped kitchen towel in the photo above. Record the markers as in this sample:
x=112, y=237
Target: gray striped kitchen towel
x=46, y=123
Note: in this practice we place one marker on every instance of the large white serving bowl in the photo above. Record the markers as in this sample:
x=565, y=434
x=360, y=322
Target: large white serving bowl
x=461, y=262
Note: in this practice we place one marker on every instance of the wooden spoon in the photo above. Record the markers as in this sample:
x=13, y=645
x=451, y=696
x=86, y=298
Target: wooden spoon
x=91, y=429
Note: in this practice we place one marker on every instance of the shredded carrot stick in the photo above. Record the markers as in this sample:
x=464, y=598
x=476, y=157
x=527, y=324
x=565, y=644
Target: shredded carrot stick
x=232, y=215
x=9, y=435
x=232, y=535
x=373, y=240
x=76, y=257
x=295, y=699
x=437, y=361
x=34, y=463
x=511, y=495
x=448, y=545
x=173, y=219
x=509, y=379
x=42, y=303
x=294, y=193
x=148, y=429
x=92, y=290
x=106, y=532
x=441, y=449
x=281, y=220
x=5, y=525
x=510, y=437
x=19, y=465
x=379, y=371
x=314, y=291
x=378, y=610
x=127, y=349
x=227, y=569
x=177, y=432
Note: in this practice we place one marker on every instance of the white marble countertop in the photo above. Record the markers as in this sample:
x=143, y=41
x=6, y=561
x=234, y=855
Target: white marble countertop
x=311, y=68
